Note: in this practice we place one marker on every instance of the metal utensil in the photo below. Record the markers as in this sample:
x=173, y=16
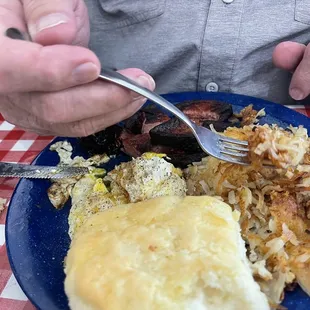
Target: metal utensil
x=221, y=147
x=40, y=172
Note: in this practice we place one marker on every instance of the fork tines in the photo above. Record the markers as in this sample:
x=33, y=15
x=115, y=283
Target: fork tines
x=235, y=148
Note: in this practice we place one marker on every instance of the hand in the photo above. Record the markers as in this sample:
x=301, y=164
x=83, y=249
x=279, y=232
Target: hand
x=49, y=85
x=295, y=57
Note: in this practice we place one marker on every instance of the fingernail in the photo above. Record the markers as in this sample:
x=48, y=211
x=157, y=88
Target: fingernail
x=297, y=94
x=145, y=81
x=48, y=21
x=86, y=72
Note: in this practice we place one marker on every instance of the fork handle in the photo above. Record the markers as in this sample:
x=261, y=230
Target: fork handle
x=117, y=78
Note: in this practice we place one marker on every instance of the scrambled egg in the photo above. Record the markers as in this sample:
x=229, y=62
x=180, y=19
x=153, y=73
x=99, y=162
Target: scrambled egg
x=143, y=178
x=176, y=253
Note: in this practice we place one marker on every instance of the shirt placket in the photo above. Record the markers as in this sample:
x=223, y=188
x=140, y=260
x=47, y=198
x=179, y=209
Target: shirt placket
x=220, y=45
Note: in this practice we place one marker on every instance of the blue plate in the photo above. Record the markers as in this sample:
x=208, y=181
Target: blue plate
x=36, y=233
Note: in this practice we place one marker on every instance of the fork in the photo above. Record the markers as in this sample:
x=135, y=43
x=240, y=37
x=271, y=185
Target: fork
x=221, y=147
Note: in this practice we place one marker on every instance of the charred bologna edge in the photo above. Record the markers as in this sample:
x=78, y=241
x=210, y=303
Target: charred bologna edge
x=145, y=119
x=135, y=122
x=174, y=134
x=204, y=112
x=136, y=145
x=206, y=109
x=105, y=141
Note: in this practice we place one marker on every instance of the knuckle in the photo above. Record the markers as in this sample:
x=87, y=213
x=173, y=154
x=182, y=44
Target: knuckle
x=51, y=109
x=35, y=8
x=50, y=76
x=39, y=105
x=48, y=73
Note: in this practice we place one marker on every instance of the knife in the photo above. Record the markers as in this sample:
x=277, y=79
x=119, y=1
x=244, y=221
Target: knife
x=40, y=172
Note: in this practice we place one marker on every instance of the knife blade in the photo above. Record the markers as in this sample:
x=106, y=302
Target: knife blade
x=40, y=172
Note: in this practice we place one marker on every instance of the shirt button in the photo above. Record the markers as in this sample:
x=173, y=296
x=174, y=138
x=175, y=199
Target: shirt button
x=227, y=1
x=212, y=87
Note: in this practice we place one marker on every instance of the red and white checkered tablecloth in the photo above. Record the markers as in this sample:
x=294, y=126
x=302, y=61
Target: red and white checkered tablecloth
x=19, y=146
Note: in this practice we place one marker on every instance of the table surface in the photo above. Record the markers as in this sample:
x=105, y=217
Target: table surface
x=19, y=146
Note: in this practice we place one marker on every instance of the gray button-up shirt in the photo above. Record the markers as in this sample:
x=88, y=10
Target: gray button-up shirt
x=201, y=45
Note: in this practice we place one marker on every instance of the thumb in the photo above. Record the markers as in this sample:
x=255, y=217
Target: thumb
x=51, y=22
x=288, y=55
